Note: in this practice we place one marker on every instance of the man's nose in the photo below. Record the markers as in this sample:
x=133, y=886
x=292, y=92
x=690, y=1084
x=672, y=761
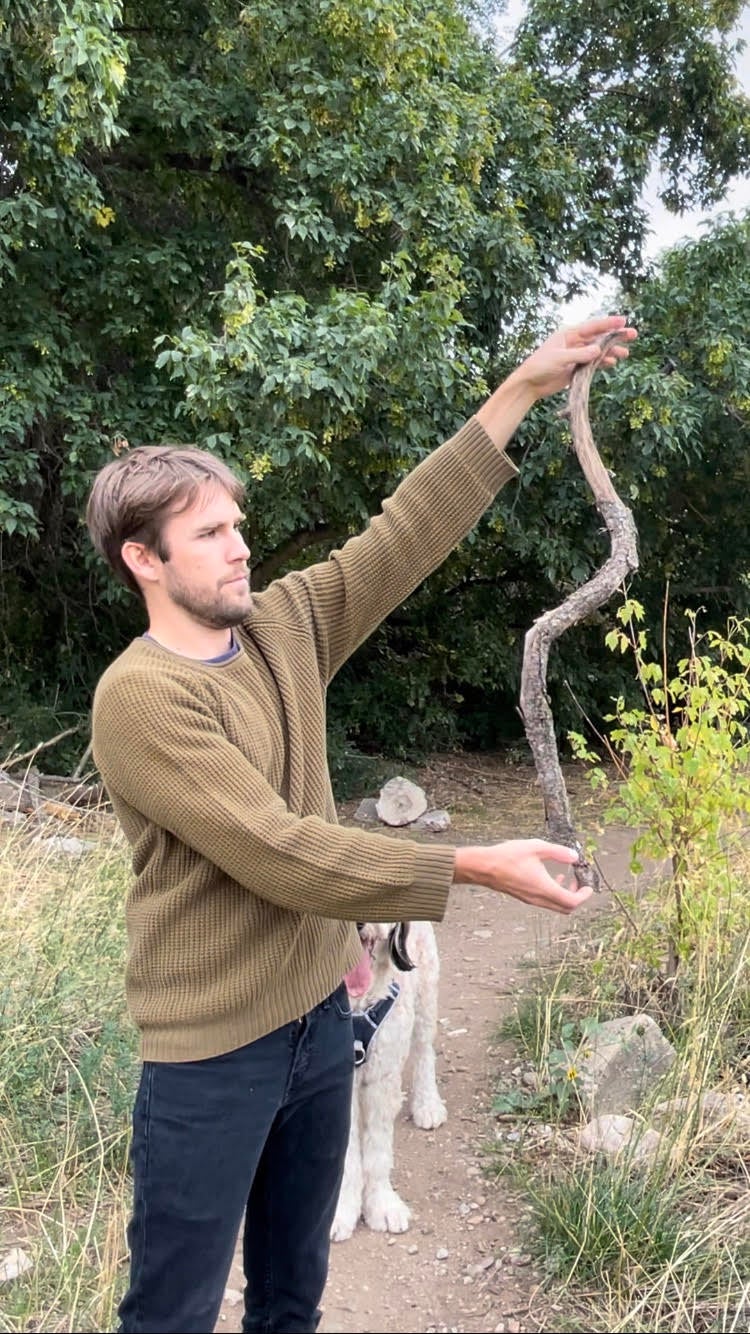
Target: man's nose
x=240, y=549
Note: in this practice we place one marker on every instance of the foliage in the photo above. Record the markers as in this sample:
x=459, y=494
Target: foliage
x=624, y=63
x=682, y=760
x=660, y=1245
x=308, y=236
x=558, y=1074
x=672, y=425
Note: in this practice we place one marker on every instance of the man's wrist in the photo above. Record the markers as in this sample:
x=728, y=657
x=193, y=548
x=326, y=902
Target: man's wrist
x=467, y=869
x=504, y=410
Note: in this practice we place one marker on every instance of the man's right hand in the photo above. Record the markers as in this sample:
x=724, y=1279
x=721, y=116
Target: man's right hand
x=517, y=868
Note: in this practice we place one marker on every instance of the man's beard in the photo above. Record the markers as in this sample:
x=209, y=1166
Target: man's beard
x=209, y=609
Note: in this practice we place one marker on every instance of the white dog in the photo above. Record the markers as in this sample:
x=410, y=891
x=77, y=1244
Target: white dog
x=407, y=1028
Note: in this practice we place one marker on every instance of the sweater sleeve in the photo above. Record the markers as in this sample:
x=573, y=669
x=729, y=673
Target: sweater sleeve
x=168, y=765
x=347, y=596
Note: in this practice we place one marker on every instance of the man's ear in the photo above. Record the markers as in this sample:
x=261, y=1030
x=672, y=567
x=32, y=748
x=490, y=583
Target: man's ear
x=143, y=563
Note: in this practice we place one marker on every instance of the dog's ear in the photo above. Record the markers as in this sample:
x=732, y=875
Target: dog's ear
x=397, y=947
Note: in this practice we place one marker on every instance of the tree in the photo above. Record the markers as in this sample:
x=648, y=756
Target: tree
x=637, y=85
x=672, y=423
x=304, y=235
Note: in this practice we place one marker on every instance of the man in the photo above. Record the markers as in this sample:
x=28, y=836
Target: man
x=209, y=733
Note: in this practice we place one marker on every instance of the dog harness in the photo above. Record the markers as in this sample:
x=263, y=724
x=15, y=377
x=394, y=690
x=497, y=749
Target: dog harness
x=367, y=1022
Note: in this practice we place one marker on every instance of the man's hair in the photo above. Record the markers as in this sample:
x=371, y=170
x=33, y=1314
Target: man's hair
x=134, y=495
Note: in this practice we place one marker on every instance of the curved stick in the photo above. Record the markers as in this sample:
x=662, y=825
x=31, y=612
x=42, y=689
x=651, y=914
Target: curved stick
x=623, y=560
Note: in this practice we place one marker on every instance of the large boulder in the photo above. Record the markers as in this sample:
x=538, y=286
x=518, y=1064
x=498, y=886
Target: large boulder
x=621, y=1063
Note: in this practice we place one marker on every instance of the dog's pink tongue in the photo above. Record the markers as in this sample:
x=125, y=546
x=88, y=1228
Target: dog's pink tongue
x=359, y=979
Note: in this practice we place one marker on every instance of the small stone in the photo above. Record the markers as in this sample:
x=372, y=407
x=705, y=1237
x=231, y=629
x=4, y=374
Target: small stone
x=435, y=821
x=442, y=1253
x=69, y=847
x=15, y=1263
x=412, y=1250
x=367, y=811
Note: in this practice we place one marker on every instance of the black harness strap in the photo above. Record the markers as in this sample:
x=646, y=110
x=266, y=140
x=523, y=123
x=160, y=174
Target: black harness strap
x=367, y=1022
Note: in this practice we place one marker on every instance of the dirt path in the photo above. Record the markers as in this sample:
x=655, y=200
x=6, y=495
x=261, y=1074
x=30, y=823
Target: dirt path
x=461, y=1266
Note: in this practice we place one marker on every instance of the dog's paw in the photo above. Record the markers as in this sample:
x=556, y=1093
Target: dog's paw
x=428, y=1113
x=344, y=1224
x=385, y=1211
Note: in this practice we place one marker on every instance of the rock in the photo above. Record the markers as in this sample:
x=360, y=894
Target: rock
x=69, y=847
x=624, y=1059
x=400, y=802
x=15, y=1263
x=718, y=1115
x=520, y=1261
x=613, y=1135
x=436, y=821
x=22, y=793
x=367, y=811
x=12, y=817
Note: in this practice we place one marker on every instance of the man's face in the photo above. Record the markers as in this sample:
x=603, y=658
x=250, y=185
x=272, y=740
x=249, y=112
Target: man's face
x=204, y=569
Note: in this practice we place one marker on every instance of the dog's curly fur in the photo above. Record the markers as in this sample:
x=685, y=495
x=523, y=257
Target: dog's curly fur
x=408, y=1030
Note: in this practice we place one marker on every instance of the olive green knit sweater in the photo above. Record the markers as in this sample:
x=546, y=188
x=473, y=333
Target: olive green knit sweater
x=241, y=914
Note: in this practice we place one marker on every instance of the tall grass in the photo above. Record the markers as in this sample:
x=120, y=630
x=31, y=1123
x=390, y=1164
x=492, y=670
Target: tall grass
x=664, y=1247
x=67, y=1076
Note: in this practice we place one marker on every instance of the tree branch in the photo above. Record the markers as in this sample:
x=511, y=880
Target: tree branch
x=623, y=560
x=266, y=570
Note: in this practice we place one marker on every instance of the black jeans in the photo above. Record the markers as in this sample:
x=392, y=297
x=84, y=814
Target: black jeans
x=261, y=1131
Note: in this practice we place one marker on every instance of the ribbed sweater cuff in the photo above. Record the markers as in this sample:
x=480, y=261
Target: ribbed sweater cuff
x=433, y=877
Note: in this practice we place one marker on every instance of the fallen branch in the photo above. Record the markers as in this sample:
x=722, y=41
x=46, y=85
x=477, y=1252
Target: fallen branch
x=623, y=560
x=12, y=761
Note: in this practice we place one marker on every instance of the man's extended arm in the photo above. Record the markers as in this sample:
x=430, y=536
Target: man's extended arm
x=345, y=598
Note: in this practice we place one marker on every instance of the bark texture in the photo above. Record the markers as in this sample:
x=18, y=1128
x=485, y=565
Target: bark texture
x=622, y=561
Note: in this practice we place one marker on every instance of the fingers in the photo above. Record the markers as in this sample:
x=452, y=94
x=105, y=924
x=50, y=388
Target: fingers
x=595, y=327
x=588, y=352
x=568, y=900
x=554, y=852
x=587, y=335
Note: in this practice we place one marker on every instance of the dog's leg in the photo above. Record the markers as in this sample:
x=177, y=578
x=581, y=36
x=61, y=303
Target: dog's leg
x=382, y=1208
x=349, y=1207
x=425, y=1104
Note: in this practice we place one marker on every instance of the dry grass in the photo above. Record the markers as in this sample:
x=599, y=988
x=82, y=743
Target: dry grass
x=67, y=1068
